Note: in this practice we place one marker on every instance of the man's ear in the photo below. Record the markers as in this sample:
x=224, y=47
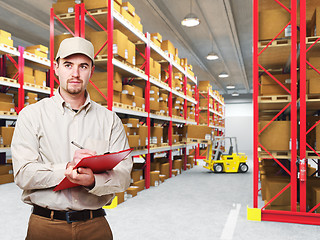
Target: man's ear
x=92, y=70
x=55, y=67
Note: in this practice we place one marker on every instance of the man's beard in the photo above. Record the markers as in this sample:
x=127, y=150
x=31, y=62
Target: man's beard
x=74, y=91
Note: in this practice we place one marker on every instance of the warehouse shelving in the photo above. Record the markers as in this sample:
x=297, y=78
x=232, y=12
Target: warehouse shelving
x=82, y=21
x=274, y=55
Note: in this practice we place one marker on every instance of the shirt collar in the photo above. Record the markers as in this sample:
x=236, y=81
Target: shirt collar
x=61, y=103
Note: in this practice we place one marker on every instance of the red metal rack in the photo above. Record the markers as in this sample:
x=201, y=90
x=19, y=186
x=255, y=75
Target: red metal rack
x=294, y=215
x=79, y=30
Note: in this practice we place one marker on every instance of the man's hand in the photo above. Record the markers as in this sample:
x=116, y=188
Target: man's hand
x=81, y=176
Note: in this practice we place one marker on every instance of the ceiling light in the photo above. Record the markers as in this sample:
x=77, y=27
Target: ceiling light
x=223, y=75
x=235, y=94
x=190, y=20
x=231, y=87
x=212, y=56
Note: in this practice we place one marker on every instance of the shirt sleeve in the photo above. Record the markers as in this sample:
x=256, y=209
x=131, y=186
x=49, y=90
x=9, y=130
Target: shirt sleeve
x=118, y=179
x=29, y=171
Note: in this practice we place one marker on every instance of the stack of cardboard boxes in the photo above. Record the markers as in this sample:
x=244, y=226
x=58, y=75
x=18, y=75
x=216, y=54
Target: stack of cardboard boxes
x=5, y=38
x=6, y=135
x=38, y=50
x=7, y=102
x=270, y=87
x=156, y=38
x=313, y=78
x=100, y=80
x=6, y=173
x=163, y=102
x=137, y=134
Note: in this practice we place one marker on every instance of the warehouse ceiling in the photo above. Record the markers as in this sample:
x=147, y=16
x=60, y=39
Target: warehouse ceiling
x=226, y=26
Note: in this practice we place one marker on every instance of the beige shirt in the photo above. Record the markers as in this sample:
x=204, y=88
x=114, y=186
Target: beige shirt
x=41, y=148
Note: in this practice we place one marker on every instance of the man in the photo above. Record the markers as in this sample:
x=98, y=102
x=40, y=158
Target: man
x=43, y=154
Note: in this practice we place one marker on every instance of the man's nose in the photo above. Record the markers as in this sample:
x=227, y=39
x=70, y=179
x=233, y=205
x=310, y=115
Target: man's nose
x=75, y=71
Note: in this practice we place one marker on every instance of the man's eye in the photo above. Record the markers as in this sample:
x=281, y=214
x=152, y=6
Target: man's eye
x=84, y=67
x=67, y=65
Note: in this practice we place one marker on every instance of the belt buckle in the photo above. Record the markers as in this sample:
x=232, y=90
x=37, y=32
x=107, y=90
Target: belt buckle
x=69, y=217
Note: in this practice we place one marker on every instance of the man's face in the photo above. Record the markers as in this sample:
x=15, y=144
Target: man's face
x=74, y=73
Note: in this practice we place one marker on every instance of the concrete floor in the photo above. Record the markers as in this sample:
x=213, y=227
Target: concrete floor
x=194, y=205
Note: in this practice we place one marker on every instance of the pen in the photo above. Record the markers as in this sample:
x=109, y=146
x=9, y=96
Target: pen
x=77, y=145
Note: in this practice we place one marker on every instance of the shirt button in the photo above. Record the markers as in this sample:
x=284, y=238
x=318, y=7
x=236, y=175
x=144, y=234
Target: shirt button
x=76, y=200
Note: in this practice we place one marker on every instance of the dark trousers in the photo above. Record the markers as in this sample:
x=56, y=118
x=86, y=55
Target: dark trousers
x=41, y=228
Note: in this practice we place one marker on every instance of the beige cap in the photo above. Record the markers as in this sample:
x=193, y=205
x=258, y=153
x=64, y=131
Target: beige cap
x=75, y=45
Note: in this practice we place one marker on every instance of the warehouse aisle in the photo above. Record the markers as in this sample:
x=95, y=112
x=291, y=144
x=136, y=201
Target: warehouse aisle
x=194, y=205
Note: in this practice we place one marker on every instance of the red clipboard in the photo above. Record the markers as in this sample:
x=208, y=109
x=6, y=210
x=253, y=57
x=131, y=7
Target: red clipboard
x=98, y=164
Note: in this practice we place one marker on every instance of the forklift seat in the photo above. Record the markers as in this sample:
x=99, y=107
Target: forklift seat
x=231, y=150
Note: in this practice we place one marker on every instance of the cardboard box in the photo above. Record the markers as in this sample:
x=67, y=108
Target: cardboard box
x=131, y=122
x=168, y=47
x=155, y=166
x=154, y=178
x=154, y=104
x=7, y=106
x=139, y=102
x=143, y=134
x=126, y=14
x=315, y=22
x=133, y=141
x=204, y=86
x=120, y=196
x=37, y=53
x=131, y=53
x=140, y=184
x=276, y=136
x=7, y=133
x=138, y=91
x=4, y=97
x=116, y=97
x=165, y=170
x=274, y=89
x=137, y=22
x=157, y=135
x=315, y=61
x=157, y=36
x=175, y=138
x=177, y=164
x=283, y=78
x=314, y=86
x=274, y=186
x=5, y=34
x=6, y=41
x=39, y=48
x=98, y=39
x=126, y=99
x=127, y=89
x=271, y=22
x=128, y=6
x=156, y=42
x=184, y=62
x=6, y=178
x=132, y=190
x=136, y=175
x=64, y=7
x=197, y=131
x=97, y=4
x=40, y=77
x=6, y=169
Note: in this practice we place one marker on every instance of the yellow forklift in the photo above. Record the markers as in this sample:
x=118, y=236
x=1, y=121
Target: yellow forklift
x=230, y=162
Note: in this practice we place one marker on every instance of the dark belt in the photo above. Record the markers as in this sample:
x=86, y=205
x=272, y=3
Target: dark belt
x=69, y=216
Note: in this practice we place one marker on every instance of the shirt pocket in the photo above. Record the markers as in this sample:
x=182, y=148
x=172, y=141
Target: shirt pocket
x=98, y=145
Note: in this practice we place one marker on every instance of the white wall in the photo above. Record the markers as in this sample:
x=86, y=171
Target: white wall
x=239, y=123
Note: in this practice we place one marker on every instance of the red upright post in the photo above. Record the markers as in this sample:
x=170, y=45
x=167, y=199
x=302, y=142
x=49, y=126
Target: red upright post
x=51, y=51
x=255, y=103
x=303, y=112
x=21, y=80
x=110, y=54
x=293, y=105
x=170, y=115
x=147, y=97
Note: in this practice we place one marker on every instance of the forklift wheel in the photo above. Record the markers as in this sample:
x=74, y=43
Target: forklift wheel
x=218, y=168
x=243, y=167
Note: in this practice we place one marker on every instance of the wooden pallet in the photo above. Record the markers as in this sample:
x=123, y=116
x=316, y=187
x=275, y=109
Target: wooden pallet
x=164, y=144
x=196, y=140
x=10, y=80
x=8, y=113
x=312, y=155
x=275, y=154
x=139, y=148
x=98, y=11
x=36, y=86
x=153, y=145
x=311, y=40
x=36, y=56
x=66, y=15
x=4, y=146
x=5, y=46
x=274, y=99
x=275, y=43
x=313, y=97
